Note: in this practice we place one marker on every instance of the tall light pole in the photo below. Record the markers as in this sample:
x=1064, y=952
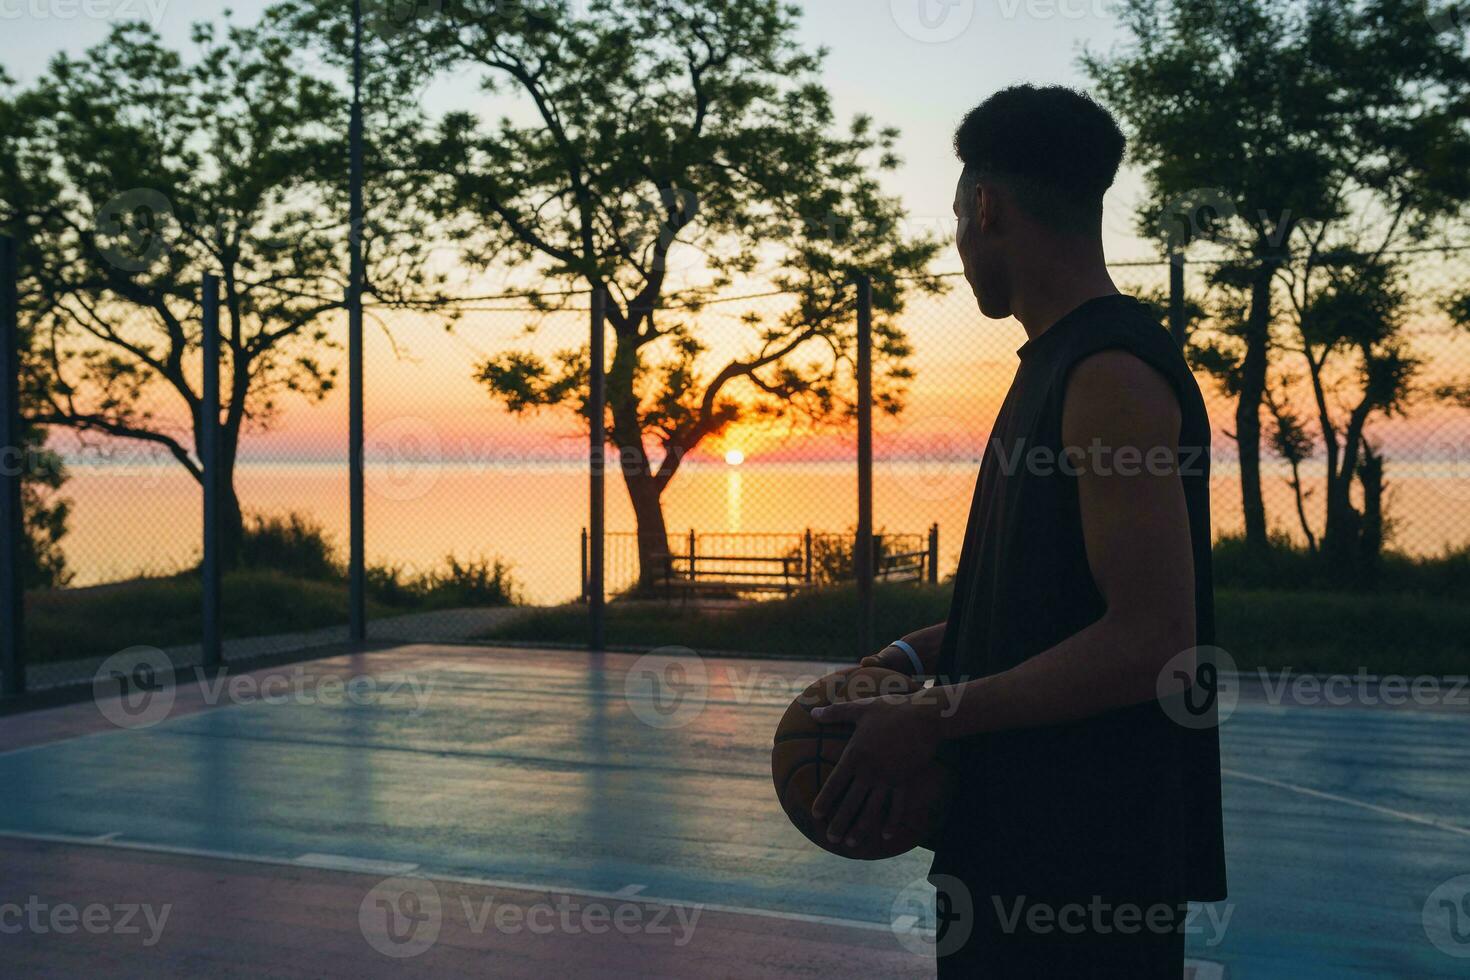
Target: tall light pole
x=356, y=560
x=862, y=551
x=596, y=410
x=12, y=442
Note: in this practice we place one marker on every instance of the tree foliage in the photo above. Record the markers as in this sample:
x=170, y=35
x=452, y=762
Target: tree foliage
x=665, y=151
x=1298, y=144
x=162, y=168
x=27, y=199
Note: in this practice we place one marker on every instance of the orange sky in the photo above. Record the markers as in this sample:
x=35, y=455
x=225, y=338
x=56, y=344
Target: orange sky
x=422, y=400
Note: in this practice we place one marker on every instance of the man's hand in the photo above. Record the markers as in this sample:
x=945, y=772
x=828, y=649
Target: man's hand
x=894, y=737
x=926, y=644
x=890, y=658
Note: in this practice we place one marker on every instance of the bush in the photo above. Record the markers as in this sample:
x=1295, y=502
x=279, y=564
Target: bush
x=1285, y=566
x=292, y=545
x=388, y=584
x=476, y=582
x=479, y=582
x=833, y=555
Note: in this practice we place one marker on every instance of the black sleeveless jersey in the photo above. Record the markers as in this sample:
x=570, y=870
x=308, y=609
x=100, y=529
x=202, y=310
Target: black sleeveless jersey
x=1124, y=804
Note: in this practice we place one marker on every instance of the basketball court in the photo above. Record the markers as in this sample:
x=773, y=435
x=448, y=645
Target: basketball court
x=432, y=809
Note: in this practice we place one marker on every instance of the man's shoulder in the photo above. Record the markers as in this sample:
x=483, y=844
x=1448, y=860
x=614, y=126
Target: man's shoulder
x=1116, y=392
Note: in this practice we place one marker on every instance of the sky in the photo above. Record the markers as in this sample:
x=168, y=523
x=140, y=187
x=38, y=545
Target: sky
x=916, y=64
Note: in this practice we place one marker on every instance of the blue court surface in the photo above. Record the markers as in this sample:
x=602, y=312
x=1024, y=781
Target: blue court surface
x=619, y=776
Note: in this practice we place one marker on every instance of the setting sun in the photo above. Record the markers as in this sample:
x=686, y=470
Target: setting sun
x=734, y=457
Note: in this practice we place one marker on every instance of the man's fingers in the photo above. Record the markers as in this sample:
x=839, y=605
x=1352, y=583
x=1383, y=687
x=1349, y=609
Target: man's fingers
x=846, y=711
x=897, y=802
x=865, y=829
x=834, y=788
x=847, y=810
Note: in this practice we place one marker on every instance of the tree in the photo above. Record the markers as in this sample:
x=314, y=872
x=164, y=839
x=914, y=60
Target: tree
x=1279, y=130
x=1292, y=442
x=26, y=206
x=1356, y=315
x=1457, y=307
x=667, y=150
x=168, y=169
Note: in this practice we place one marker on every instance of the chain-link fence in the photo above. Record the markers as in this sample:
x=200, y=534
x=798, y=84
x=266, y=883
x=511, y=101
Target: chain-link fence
x=477, y=491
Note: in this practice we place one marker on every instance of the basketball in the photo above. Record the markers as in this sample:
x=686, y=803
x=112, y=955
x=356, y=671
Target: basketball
x=804, y=753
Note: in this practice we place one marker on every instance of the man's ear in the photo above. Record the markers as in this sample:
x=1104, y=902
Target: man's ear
x=988, y=207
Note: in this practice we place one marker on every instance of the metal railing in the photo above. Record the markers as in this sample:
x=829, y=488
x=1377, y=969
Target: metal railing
x=745, y=563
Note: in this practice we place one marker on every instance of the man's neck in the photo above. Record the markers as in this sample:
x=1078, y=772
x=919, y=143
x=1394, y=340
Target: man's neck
x=1057, y=285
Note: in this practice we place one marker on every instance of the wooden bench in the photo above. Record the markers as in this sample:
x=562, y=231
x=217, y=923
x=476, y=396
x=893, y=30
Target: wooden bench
x=908, y=566
x=731, y=574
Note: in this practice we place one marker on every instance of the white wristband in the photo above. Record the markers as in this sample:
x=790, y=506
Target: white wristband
x=913, y=655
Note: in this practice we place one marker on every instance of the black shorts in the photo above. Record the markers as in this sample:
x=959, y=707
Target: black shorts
x=1027, y=937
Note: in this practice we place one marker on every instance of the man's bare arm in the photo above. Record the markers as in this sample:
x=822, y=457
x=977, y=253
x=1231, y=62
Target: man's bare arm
x=1136, y=528
x=1136, y=531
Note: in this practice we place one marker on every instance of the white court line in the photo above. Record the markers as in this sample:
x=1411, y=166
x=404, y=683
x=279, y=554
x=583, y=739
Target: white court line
x=1349, y=801
x=365, y=866
x=519, y=886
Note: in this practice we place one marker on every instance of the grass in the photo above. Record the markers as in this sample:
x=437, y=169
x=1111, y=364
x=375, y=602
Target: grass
x=1285, y=566
x=1276, y=610
x=70, y=624
x=289, y=580
x=1306, y=631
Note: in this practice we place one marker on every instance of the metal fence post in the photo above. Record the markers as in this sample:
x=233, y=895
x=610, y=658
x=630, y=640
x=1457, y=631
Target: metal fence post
x=584, y=564
x=1177, y=325
x=209, y=458
x=863, y=548
x=693, y=544
x=596, y=410
x=12, y=443
x=934, y=553
x=807, y=543
x=356, y=496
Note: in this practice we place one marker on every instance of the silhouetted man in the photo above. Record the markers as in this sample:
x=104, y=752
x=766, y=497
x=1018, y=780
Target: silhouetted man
x=1086, y=808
